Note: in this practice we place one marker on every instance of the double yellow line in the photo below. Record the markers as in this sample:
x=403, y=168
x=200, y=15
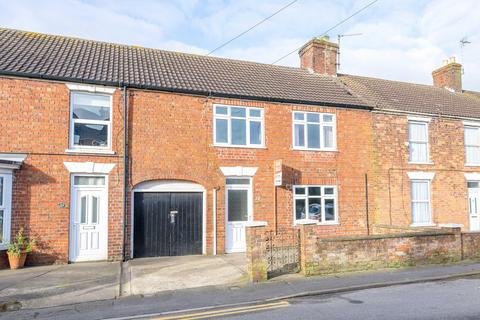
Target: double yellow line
x=226, y=312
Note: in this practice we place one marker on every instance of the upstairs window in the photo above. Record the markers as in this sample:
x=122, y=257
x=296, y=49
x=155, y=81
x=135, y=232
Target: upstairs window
x=472, y=145
x=314, y=131
x=418, y=141
x=90, y=123
x=315, y=203
x=238, y=126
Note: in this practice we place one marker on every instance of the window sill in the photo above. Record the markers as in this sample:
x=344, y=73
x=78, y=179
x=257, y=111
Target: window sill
x=314, y=150
x=472, y=164
x=90, y=151
x=239, y=147
x=301, y=222
x=415, y=225
x=423, y=163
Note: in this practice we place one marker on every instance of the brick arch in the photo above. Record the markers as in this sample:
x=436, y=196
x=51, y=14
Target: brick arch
x=178, y=176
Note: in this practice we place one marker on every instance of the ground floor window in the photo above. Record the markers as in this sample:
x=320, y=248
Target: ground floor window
x=5, y=207
x=421, y=209
x=315, y=203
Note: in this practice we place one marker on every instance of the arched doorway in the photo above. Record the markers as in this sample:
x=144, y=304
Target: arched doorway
x=168, y=219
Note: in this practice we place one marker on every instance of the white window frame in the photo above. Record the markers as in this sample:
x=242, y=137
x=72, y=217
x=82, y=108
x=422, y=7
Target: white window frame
x=91, y=149
x=321, y=124
x=470, y=125
x=6, y=206
x=322, y=196
x=247, y=118
x=429, y=201
x=424, y=122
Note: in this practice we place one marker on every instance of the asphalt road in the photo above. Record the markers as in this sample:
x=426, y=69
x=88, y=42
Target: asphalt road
x=456, y=299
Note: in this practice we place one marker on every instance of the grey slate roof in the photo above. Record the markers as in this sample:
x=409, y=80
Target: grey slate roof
x=410, y=97
x=70, y=59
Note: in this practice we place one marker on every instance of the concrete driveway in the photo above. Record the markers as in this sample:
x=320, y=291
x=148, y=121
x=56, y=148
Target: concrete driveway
x=49, y=286
x=151, y=275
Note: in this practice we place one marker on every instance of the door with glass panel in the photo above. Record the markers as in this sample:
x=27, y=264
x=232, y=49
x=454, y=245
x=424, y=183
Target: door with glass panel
x=238, y=213
x=474, y=205
x=89, y=219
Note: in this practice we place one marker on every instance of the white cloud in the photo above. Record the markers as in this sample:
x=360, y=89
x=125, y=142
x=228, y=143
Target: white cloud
x=403, y=40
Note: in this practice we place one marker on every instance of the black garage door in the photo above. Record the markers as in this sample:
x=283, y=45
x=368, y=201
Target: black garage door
x=167, y=224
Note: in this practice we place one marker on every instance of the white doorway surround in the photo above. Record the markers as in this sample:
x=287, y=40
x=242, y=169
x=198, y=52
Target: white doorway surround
x=474, y=205
x=88, y=211
x=238, y=206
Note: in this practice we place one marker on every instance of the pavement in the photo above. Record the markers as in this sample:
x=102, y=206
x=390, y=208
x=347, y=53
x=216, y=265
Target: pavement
x=152, y=275
x=50, y=286
x=208, y=297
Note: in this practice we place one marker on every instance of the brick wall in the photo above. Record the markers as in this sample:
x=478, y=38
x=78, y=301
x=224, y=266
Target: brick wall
x=35, y=120
x=390, y=182
x=170, y=138
x=178, y=144
x=342, y=254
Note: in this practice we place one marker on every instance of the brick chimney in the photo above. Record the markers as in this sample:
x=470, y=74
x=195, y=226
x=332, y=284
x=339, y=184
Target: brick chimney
x=448, y=76
x=320, y=56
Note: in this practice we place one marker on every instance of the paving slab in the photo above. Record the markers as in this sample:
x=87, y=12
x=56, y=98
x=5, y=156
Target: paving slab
x=152, y=275
x=49, y=286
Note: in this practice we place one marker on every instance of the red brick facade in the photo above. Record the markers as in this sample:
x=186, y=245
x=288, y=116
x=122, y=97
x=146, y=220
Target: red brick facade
x=391, y=166
x=170, y=136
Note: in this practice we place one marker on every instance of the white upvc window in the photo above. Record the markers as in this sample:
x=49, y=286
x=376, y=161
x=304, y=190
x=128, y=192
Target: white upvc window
x=90, y=121
x=5, y=208
x=472, y=145
x=314, y=202
x=418, y=141
x=421, y=206
x=314, y=131
x=237, y=126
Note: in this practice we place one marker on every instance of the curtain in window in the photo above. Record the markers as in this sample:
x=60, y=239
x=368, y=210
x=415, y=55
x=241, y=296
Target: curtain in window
x=418, y=138
x=420, y=202
x=472, y=145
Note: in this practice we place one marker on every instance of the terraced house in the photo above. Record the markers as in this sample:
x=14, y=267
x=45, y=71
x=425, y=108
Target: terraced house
x=111, y=151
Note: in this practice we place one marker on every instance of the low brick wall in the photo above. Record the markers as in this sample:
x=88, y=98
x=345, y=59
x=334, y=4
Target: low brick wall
x=324, y=256
x=382, y=251
x=471, y=245
x=377, y=229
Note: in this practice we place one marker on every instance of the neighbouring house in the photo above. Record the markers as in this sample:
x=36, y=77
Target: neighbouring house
x=110, y=151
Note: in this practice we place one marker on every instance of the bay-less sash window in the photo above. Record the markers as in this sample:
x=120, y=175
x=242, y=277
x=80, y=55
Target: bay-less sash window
x=91, y=116
x=238, y=126
x=420, y=197
x=472, y=145
x=315, y=203
x=418, y=141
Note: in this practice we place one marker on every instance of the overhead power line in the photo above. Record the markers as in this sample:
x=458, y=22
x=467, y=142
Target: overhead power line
x=330, y=29
x=252, y=27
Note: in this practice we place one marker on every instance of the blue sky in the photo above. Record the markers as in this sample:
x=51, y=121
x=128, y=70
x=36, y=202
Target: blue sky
x=401, y=39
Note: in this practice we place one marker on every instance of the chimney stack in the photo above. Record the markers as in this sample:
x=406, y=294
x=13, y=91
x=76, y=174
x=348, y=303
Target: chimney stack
x=320, y=56
x=449, y=76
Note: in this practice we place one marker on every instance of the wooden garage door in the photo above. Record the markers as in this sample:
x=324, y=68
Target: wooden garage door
x=167, y=224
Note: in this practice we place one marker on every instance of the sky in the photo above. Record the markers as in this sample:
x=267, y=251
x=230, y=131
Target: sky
x=400, y=39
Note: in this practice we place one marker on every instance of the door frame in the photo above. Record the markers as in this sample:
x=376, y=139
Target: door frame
x=468, y=203
x=169, y=186
x=104, y=189
x=249, y=188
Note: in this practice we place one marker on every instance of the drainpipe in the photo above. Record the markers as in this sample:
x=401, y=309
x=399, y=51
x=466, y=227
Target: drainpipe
x=366, y=203
x=124, y=191
x=214, y=221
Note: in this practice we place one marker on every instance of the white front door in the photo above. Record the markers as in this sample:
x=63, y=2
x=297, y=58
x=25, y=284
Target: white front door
x=474, y=205
x=239, y=213
x=89, y=214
